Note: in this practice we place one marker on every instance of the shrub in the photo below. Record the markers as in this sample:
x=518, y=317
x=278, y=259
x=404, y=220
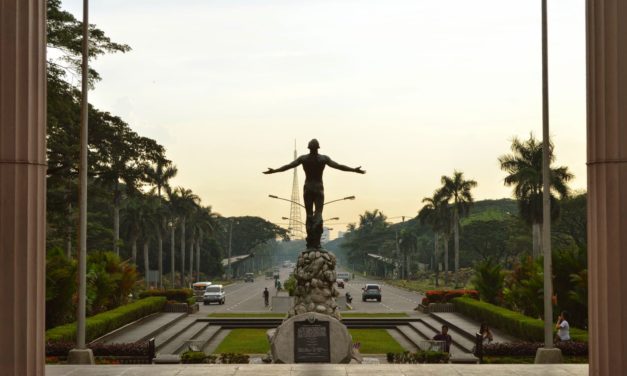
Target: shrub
x=56, y=349
x=513, y=323
x=418, y=357
x=195, y=357
x=232, y=358
x=488, y=280
x=180, y=295
x=290, y=285
x=445, y=296
x=105, y=322
x=569, y=348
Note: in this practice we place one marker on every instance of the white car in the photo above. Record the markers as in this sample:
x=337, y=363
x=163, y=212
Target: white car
x=214, y=293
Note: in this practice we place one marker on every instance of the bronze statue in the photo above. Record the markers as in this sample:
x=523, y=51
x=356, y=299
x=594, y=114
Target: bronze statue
x=313, y=191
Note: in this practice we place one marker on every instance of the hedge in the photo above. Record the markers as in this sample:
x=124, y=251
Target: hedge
x=445, y=296
x=105, y=322
x=180, y=295
x=100, y=349
x=514, y=323
x=569, y=348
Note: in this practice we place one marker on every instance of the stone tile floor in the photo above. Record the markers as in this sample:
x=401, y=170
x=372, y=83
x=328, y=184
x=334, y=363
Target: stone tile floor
x=324, y=369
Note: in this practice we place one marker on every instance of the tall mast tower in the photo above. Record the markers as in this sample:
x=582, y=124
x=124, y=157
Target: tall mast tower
x=296, y=224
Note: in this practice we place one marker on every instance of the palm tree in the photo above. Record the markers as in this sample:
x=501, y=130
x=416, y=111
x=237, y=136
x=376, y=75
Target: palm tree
x=131, y=221
x=204, y=223
x=457, y=190
x=524, y=169
x=160, y=174
x=435, y=214
x=185, y=202
x=149, y=224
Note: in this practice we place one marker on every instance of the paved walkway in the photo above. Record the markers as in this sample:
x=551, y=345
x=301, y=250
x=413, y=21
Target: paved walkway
x=319, y=370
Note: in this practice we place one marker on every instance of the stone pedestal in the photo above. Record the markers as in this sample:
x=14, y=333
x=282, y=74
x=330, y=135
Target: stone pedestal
x=607, y=185
x=22, y=186
x=548, y=356
x=315, y=284
x=283, y=345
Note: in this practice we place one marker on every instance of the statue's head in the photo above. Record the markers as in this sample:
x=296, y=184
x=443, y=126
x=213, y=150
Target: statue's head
x=313, y=144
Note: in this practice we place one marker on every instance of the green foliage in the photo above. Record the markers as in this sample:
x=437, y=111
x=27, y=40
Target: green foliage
x=407, y=357
x=60, y=288
x=109, y=281
x=513, y=323
x=195, y=357
x=290, y=284
x=488, y=280
x=105, y=322
x=524, y=286
x=234, y=358
x=179, y=295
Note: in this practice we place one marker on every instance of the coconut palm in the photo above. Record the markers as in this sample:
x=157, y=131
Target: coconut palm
x=435, y=214
x=149, y=223
x=184, y=203
x=160, y=174
x=204, y=224
x=524, y=169
x=456, y=191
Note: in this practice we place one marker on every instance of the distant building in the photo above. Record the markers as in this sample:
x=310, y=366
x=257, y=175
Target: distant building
x=326, y=235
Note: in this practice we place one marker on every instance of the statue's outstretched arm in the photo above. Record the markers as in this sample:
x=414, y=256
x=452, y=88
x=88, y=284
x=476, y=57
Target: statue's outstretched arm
x=338, y=166
x=293, y=164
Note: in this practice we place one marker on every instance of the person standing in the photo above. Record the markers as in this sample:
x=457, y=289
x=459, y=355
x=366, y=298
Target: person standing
x=444, y=336
x=563, y=328
x=266, y=296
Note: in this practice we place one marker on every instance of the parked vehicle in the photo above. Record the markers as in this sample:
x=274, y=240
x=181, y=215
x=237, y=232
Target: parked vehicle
x=199, y=289
x=340, y=283
x=371, y=291
x=249, y=277
x=214, y=293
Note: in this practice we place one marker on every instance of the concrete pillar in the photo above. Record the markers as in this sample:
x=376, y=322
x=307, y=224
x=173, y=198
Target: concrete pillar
x=607, y=185
x=22, y=186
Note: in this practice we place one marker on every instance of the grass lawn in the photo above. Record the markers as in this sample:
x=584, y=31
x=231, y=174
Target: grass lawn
x=254, y=341
x=381, y=314
x=244, y=341
x=247, y=315
x=375, y=341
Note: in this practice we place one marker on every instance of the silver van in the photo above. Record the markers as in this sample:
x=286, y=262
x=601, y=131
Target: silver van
x=214, y=293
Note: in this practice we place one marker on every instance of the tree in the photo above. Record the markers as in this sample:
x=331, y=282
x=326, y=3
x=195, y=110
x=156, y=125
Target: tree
x=435, y=213
x=524, y=169
x=488, y=280
x=184, y=202
x=371, y=236
x=457, y=190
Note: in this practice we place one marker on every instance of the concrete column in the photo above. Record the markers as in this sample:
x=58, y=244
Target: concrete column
x=22, y=186
x=607, y=185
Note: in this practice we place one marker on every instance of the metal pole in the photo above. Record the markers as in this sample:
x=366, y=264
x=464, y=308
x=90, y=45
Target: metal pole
x=546, y=190
x=82, y=232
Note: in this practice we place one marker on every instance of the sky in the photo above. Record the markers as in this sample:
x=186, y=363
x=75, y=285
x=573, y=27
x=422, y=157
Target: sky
x=408, y=89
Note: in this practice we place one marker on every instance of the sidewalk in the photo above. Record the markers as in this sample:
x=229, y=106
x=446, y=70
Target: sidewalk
x=321, y=370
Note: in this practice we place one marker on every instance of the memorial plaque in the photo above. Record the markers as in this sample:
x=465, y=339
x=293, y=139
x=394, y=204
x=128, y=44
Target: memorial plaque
x=312, y=342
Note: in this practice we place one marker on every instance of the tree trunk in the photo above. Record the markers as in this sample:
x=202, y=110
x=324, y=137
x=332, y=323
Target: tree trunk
x=183, y=252
x=116, y=227
x=134, y=250
x=198, y=259
x=160, y=257
x=69, y=232
x=456, y=244
x=446, y=260
x=146, y=264
x=435, y=258
x=172, y=258
x=536, y=237
x=192, y=243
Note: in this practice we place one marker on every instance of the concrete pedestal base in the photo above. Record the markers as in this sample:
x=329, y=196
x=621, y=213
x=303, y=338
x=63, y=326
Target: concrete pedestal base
x=80, y=356
x=549, y=356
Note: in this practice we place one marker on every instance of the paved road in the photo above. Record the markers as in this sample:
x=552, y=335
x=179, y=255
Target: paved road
x=247, y=297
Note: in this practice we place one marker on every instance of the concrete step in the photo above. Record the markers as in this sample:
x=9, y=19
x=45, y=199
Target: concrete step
x=170, y=333
x=201, y=339
x=174, y=345
x=459, y=337
x=469, y=327
x=142, y=329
